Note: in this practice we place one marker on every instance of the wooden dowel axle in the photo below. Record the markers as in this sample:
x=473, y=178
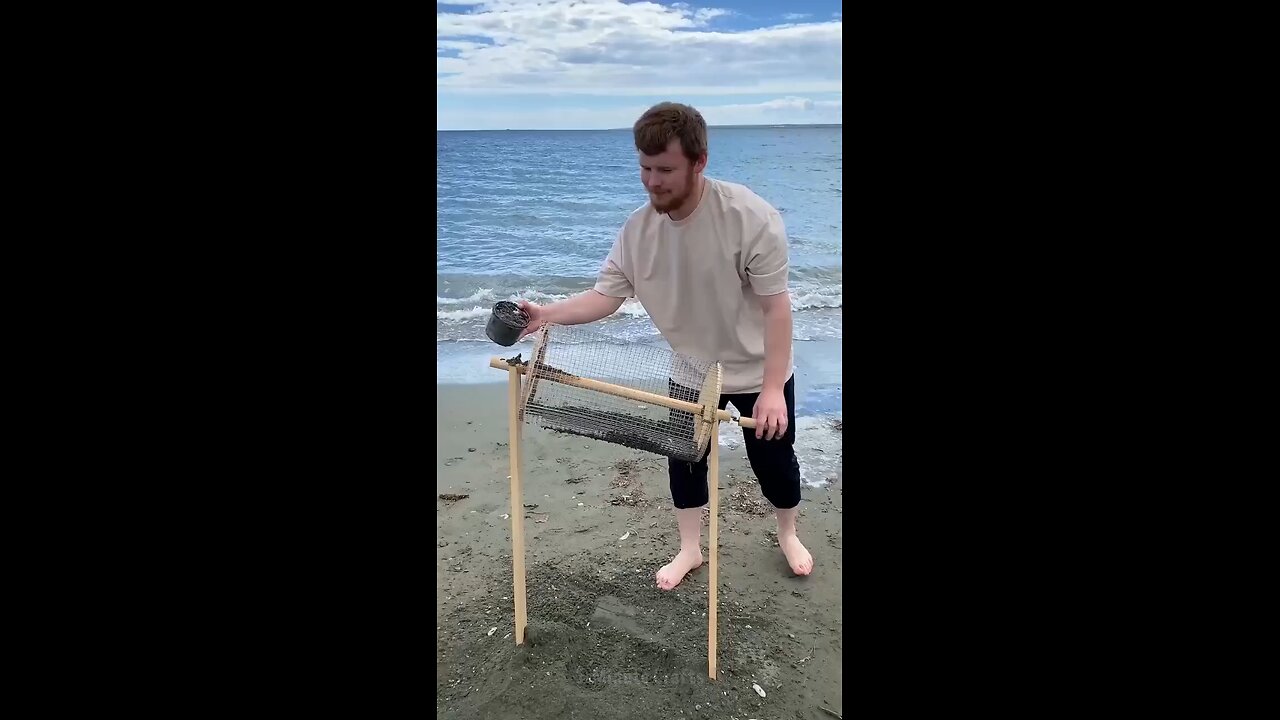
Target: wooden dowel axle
x=624, y=392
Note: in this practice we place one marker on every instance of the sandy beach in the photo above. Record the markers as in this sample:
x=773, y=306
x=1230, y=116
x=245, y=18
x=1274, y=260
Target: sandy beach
x=604, y=642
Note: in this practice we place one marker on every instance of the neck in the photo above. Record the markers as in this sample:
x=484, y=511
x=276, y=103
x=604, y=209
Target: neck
x=690, y=203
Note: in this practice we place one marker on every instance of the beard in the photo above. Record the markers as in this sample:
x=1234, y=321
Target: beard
x=667, y=203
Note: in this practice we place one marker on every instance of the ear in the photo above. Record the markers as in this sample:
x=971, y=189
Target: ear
x=701, y=164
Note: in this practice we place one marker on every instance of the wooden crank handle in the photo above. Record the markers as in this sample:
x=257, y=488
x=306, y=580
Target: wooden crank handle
x=746, y=422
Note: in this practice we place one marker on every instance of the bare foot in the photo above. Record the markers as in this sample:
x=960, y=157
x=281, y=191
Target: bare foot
x=673, y=572
x=797, y=556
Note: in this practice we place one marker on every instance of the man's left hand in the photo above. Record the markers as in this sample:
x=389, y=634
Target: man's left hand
x=770, y=414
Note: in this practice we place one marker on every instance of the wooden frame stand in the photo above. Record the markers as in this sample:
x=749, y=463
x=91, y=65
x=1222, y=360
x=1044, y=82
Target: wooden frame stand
x=711, y=416
x=515, y=450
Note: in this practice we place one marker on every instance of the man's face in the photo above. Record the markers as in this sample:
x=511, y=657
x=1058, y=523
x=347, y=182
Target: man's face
x=669, y=176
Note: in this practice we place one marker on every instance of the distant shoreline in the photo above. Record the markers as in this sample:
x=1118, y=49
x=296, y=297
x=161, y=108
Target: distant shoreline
x=709, y=127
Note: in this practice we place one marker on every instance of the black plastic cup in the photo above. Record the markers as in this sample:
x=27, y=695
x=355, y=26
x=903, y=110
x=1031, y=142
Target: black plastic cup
x=506, y=322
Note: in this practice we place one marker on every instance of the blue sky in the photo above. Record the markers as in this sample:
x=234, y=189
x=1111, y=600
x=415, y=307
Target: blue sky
x=587, y=64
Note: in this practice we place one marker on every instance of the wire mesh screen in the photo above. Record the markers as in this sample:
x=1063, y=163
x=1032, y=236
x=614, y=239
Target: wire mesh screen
x=579, y=382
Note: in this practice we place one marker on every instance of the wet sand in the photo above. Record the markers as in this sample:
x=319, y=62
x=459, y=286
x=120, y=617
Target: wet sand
x=604, y=641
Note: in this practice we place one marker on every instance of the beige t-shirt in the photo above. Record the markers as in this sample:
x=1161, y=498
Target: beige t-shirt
x=701, y=278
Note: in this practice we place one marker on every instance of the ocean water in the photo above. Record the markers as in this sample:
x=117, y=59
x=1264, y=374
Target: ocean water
x=532, y=214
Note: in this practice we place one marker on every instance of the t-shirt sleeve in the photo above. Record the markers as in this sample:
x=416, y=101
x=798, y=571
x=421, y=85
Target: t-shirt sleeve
x=614, y=278
x=766, y=255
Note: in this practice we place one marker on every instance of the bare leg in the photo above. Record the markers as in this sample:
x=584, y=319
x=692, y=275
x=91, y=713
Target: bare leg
x=690, y=555
x=797, y=556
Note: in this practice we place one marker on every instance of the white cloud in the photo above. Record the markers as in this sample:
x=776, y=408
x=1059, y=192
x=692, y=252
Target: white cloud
x=796, y=16
x=779, y=111
x=789, y=103
x=608, y=47
x=458, y=45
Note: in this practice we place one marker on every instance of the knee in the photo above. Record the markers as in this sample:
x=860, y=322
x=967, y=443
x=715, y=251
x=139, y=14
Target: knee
x=689, y=494
x=784, y=496
x=688, y=484
x=779, y=477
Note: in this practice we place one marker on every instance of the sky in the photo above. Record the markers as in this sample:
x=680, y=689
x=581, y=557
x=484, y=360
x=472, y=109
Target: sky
x=598, y=64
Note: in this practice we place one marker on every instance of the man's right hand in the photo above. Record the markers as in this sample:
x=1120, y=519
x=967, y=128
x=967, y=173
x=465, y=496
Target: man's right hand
x=537, y=317
x=585, y=307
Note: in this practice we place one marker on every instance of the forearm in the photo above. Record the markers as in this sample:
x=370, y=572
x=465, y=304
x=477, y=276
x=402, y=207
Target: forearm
x=777, y=344
x=582, y=308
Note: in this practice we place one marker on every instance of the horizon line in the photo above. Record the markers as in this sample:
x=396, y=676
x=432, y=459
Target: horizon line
x=709, y=127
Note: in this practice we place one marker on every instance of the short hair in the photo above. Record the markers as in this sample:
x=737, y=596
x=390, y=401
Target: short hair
x=667, y=120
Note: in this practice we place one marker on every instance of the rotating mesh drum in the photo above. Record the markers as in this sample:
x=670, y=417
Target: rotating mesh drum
x=582, y=384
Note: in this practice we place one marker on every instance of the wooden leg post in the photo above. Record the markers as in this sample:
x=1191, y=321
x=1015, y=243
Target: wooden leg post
x=517, y=501
x=714, y=481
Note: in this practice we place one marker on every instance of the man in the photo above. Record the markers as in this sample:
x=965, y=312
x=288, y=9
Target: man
x=708, y=260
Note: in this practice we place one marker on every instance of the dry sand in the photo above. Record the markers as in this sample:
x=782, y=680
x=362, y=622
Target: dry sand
x=604, y=642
